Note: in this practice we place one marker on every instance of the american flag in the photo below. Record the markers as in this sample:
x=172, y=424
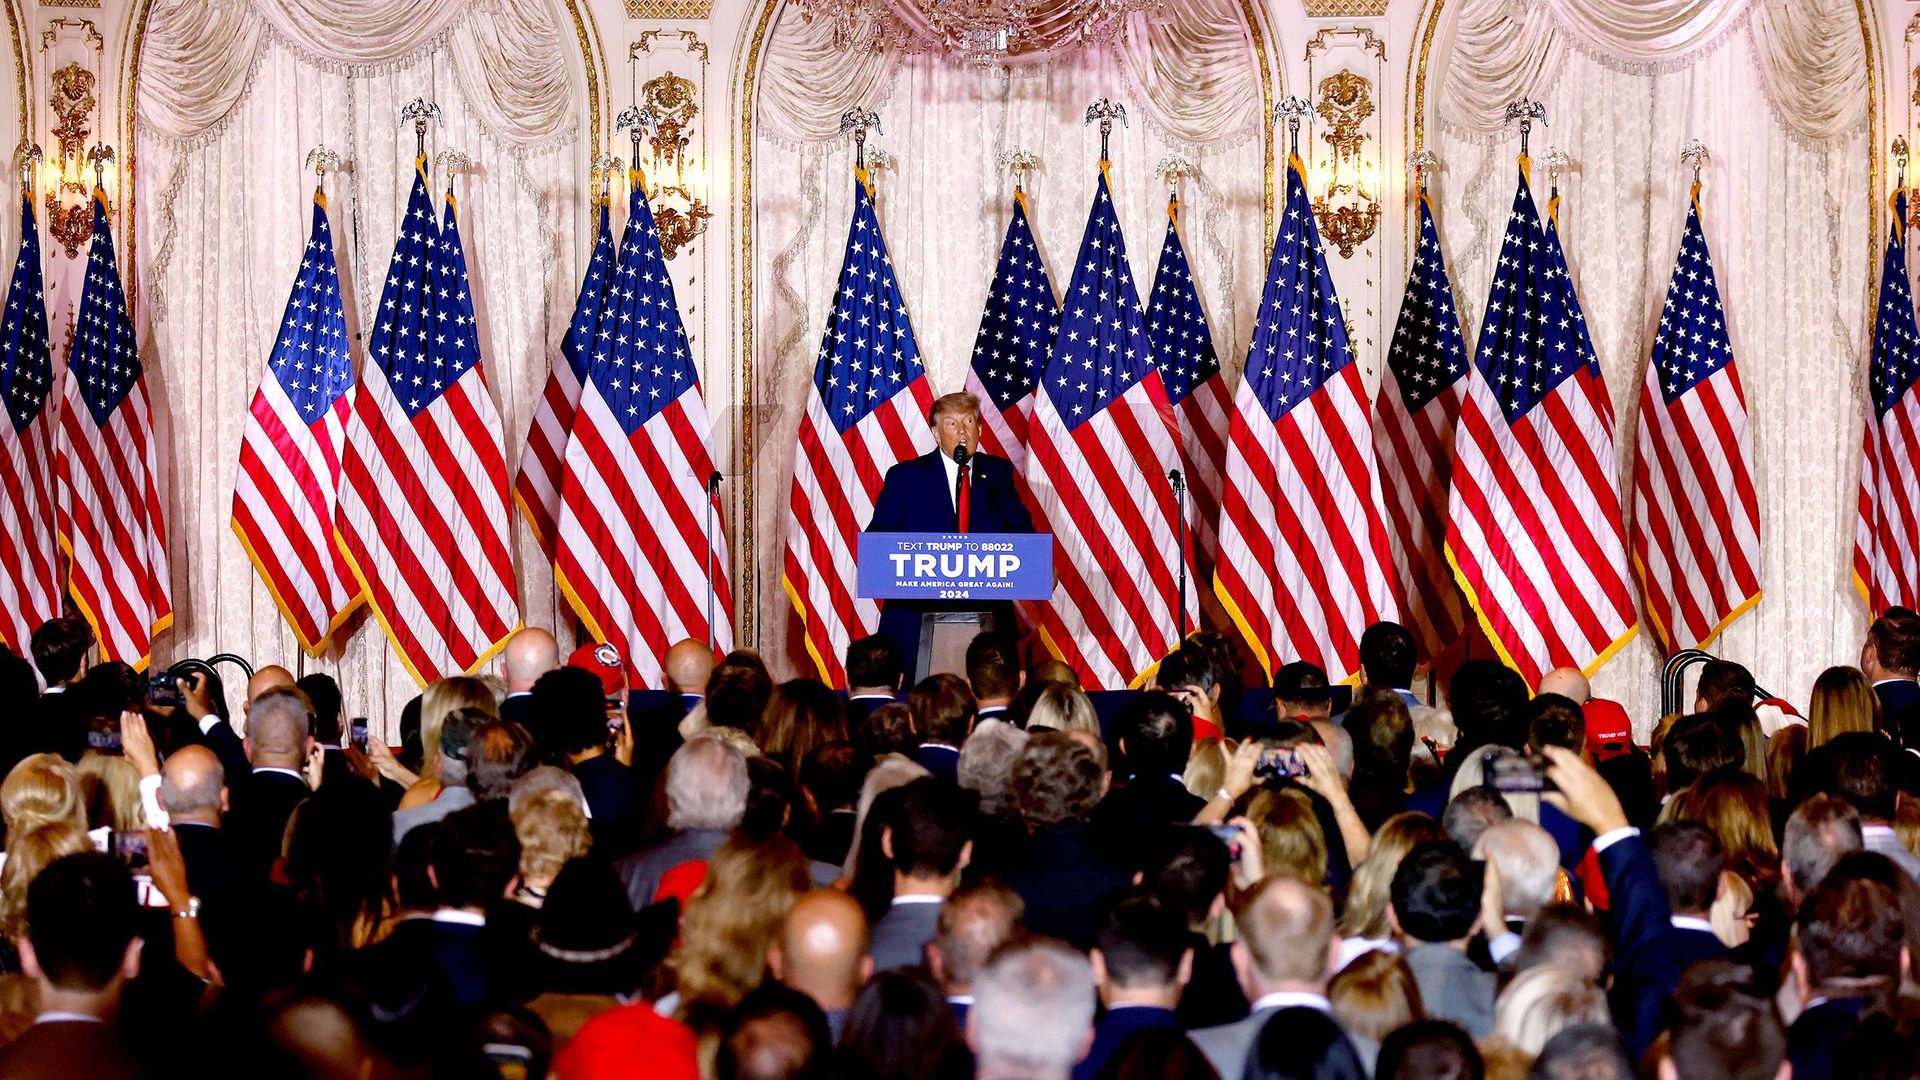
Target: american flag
x=1696, y=520
x=29, y=557
x=110, y=515
x=633, y=549
x=1011, y=348
x=283, y=495
x=537, y=488
x=1418, y=408
x=867, y=412
x=1196, y=388
x=1101, y=443
x=422, y=515
x=1534, y=530
x=1886, y=547
x=1304, y=564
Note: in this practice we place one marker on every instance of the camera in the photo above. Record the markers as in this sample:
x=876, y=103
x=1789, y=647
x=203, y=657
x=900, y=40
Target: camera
x=163, y=689
x=1511, y=774
x=1279, y=764
x=357, y=733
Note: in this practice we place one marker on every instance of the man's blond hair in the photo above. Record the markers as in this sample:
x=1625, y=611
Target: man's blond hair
x=959, y=402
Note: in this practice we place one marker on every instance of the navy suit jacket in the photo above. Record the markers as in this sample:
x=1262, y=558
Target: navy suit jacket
x=1114, y=1028
x=1649, y=951
x=1900, y=710
x=1817, y=1034
x=916, y=498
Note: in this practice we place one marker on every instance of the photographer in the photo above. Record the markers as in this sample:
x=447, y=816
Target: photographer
x=1307, y=763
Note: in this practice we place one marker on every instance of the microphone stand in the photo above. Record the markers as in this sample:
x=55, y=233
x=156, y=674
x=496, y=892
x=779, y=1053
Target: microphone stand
x=1180, y=525
x=713, y=492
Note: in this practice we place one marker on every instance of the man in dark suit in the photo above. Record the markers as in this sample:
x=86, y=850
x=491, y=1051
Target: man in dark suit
x=876, y=673
x=929, y=844
x=1848, y=952
x=1890, y=659
x=212, y=732
x=59, y=724
x=193, y=791
x=278, y=745
x=656, y=728
x=530, y=653
x=1141, y=961
x=975, y=921
x=1155, y=735
x=952, y=489
x=706, y=798
x=943, y=716
x=81, y=950
x=994, y=673
x=1065, y=873
x=1284, y=956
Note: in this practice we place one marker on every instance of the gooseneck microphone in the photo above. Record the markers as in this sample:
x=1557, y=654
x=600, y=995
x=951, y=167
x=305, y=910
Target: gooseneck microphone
x=961, y=454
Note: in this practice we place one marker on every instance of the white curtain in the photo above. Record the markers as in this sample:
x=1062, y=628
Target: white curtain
x=1788, y=218
x=944, y=205
x=223, y=217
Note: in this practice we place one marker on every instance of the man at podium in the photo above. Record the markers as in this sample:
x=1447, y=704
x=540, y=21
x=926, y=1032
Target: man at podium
x=952, y=489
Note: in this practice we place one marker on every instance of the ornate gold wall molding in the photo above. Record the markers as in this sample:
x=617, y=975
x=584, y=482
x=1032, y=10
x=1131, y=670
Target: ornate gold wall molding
x=1345, y=9
x=669, y=9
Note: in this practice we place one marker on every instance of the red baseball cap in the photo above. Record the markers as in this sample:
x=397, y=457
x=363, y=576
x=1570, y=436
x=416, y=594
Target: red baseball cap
x=1609, y=732
x=603, y=660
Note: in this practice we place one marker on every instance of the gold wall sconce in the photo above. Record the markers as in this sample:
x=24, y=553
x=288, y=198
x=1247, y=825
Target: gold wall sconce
x=1345, y=203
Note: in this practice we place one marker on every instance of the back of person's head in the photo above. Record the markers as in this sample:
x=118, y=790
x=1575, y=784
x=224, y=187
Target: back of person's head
x=1033, y=1008
x=1059, y=706
x=324, y=694
x=901, y=1028
x=1300, y=690
x=1584, y=1052
x=59, y=646
x=571, y=703
x=81, y=919
x=278, y=724
x=1861, y=767
x=1057, y=781
x=1894, y=638
x=1302, y=1044
x=1689, y=858
x=1727, y=1027
x=1819, y=832
x=1528, y=861
x=1140, y=940
x=774, y=1033
x=942, y=708
x=1734, y=805
x=1543, y=1001
x=1849, y=932
x=457, y=732
x=1382, y=731
x=1189, y=868
x=1370, y=891
x=738, y=692
x=1436, y=893
x=985, y=765
x=1553, y=720
x=42, y=789
x=888, y=730
x=1155, y=1054
x=1721, y=682
x=929, y=828
x=802, y=715
x=831, y=774
x=552, y=828
x=473, y=857
x=1568, y=935
x=975, y=919
x=1885, y=1044
x=993, y=666
x=875, y=663
x=1699, y=744
x=1286, y=931
x=1843, y=700
x=1473, y=812
x=1292, y=840
x=706, y=786
x=1388, y=655
x=499, y=753
x=1489, y=700
x=1155, y=732
x=1429, y=1050
x=1374, y=995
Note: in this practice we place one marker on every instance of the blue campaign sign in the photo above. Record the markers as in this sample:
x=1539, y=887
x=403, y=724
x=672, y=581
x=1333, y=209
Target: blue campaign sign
x=955, y=566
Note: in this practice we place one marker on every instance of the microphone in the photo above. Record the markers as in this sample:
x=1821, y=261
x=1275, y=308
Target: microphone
x=961, y=454
x=1174, y=477
x=713, y=482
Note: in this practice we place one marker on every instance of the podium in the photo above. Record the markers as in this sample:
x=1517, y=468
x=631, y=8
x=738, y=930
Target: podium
x=962, y=584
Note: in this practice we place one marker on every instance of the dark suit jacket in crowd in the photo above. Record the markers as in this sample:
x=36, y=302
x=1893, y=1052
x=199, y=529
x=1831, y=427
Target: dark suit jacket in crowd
x=1649, y=951
x=641, y=872
x=917, y=498
x=212, y=867
x=939, y=759
x=1816, y=1035
x=229, y=748
x=262, y=803
x=67, y=1049
x=1900, y=710
x=1063, y=875
x=1114, y=1028
x=900, y=937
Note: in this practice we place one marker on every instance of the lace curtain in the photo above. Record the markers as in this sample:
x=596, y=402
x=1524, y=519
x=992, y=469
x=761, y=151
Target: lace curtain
x=1789, y=217
x=944, y=204
x=223, y=216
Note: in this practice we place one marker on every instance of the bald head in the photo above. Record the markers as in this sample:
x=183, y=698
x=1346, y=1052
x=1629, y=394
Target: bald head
x=822, y=951
x=530, y=653
x=1286, y=938
x=689, y=664
x=271, y=677
x=277, y=729
x=193, y=786
x=1568, y=682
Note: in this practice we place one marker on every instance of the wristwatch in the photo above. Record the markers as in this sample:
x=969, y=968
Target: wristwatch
x=193, y=909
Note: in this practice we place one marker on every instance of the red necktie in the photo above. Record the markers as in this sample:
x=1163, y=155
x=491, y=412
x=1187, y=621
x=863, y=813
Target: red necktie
x=962, y=497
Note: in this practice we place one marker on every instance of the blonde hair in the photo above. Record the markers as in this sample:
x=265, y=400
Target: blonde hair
x=442, y=700
x=733, y=917
x=41, y=790
x=1843, y=701
x=1734, y=805
x=110, y=787
x=1291, y=840
x=890, y=772
x=1374, y=994
x=551, y=826
x=1370, y=891
x=1206, y=768
x=1729, y=911
x=1063, y=707
x=1542, y=1001
x=27, y=854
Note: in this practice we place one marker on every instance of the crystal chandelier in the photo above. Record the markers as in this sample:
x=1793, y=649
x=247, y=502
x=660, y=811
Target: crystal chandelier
x=859, y=25
x=983, y=32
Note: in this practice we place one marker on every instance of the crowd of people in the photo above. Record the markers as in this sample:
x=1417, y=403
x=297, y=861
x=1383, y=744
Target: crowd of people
x=994, y=875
